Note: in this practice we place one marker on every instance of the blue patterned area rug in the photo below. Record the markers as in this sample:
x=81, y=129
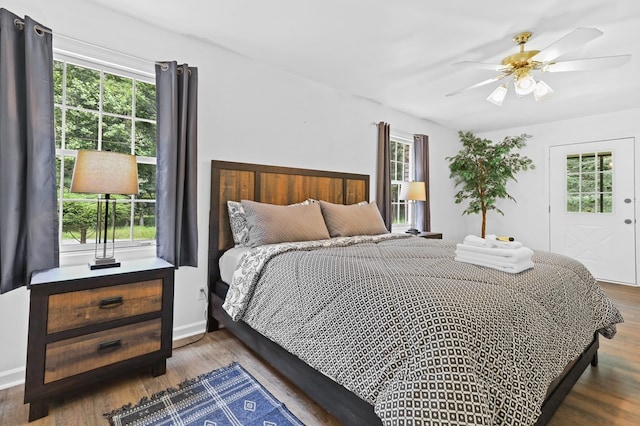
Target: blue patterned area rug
x=227, y=396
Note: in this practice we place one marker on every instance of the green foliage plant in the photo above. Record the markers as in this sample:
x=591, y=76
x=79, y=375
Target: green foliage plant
x=482, y=169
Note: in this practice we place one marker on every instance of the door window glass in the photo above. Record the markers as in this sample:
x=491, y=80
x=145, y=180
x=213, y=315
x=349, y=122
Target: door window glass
x=589, y=182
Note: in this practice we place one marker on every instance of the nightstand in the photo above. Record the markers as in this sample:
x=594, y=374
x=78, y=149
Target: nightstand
x=87, y=326
x=431, y=235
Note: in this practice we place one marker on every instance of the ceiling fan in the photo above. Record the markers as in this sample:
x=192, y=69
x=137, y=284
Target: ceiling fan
x=522, y=65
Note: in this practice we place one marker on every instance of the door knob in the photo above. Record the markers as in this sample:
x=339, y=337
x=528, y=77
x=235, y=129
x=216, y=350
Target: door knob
x=627, y=200
x=628, y=221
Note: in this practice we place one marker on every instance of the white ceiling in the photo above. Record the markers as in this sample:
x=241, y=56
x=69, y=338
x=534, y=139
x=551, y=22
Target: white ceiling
x=399, y=53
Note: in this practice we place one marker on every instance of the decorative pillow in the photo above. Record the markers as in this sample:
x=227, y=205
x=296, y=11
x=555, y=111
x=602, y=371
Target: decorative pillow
x=355, y=219
x=271, y=224
x=238, y=223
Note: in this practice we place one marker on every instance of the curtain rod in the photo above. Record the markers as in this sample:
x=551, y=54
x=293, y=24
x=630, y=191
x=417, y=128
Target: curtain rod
x=40, y=30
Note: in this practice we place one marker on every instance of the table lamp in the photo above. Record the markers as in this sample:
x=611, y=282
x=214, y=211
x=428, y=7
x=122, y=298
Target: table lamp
x=412, y=192
x=105, y=172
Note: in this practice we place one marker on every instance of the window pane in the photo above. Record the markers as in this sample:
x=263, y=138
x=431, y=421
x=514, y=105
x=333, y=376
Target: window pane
x=400, y=152
x=57, y=115
x=573, y=164
x=395, y=190
x=144, y=227
x=81, y=130
x=145, y=139
x=607, y=183
x=396, y=171
x=605, y=161
x=69, y=163
x=145, y=100
x=588, y=203
x=78, y=222
x=588, y=163
x=116, y=134
x=58, y=76
x=118, y=94
x=607, y=203
x=573, y=203
x=147, y=181
x=58, y=162
x=573, y=183
x=83, y=87
x=123, y=221
x=588, y=183
x=403, y=213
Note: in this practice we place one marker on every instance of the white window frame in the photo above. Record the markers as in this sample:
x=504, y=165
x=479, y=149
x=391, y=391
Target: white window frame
x=402, y=227
x=90, y=56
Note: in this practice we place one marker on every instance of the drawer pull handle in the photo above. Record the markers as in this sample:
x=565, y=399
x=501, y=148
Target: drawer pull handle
x=111, y=302
x=109, y=346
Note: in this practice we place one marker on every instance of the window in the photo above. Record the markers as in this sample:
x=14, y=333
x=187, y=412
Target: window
x=401, y=171
x=589, y=183
x=102, y=107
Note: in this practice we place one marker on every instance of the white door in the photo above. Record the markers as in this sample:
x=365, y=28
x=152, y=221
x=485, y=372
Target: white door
x=591, y=207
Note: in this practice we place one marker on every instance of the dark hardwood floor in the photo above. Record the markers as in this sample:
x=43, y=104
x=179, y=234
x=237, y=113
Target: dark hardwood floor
x=606, y=395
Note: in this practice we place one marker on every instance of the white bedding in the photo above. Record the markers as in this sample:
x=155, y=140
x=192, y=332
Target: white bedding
x=229, y=261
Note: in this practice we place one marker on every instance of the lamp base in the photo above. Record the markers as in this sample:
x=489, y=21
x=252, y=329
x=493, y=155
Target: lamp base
x=412, y=231
x=104, y=263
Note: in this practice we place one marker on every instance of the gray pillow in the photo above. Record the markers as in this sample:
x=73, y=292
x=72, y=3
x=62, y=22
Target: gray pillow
x=355, y=219
x=272, y=224
x=238, y=221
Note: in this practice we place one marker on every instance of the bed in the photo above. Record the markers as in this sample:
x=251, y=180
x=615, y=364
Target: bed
x=284, y=186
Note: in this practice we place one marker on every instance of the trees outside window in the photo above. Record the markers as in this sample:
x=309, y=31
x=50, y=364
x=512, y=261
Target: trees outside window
x=99, y=107
x=401, y=171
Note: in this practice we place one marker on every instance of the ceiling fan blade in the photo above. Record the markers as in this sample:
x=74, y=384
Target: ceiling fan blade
x=589, y=64
x=573, y=40
x=482, y=83
x=481, y=65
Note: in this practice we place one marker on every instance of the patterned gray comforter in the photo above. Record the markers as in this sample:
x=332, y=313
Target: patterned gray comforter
x=423, y=338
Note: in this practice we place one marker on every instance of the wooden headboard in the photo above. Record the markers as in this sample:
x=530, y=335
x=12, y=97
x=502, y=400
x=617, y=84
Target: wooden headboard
x=273, y=185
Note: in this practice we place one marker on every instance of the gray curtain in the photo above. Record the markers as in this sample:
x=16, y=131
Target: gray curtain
x=421, y=152
x=177, y=161
x=28, y=205
x=383, y=179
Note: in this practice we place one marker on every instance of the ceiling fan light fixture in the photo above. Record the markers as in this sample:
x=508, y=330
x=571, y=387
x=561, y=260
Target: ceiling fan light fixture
x=497, y=96
x=524, y=84
x=542, y=91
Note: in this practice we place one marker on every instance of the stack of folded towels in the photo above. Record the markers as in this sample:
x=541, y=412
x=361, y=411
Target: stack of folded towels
x=508, y=256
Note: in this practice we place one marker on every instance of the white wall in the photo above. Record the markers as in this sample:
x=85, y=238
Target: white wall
x=248, y=112
x=529, y=218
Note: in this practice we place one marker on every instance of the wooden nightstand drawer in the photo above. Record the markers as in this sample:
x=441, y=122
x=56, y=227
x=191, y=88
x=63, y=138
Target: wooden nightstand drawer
x=90, y=325
x=81, y=308
x=69, y=357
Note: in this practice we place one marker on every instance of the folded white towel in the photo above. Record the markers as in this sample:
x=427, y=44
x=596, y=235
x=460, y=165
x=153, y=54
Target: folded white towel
x=514, y=255
x=490, y=241
x=512, y=268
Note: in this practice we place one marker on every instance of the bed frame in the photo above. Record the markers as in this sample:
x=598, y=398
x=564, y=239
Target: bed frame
x=283, y=185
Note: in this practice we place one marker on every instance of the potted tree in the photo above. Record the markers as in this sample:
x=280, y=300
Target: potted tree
x=482, y=168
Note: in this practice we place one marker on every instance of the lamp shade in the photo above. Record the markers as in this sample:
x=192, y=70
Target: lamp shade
x=104, y=172
x=497, y=96
x=524, y=84
x=415, y=191
x=542, y=91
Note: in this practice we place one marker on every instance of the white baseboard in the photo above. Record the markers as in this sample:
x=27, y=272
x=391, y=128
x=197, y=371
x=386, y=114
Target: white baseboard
x=189, y=330
x=12, y=377
x=15, y=377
